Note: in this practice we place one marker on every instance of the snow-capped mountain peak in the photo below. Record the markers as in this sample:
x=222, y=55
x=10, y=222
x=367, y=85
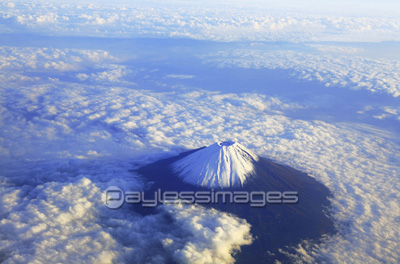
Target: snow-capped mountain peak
x=222, y=164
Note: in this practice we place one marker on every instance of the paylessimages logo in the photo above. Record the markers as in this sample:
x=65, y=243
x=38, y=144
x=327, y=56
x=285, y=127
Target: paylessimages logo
x=113, y=197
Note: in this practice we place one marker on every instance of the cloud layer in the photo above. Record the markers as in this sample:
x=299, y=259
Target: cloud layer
x=331, y=65
x=59, y=125
x=208, y=21
x=63, y=219
x=76, y=120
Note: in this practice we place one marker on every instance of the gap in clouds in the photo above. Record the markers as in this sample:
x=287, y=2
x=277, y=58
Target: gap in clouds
x=142, y=63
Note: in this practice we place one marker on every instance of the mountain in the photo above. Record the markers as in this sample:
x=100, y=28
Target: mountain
x=223, y=164
x=228, y=167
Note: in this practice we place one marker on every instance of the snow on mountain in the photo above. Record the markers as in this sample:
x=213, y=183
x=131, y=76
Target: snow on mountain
x=222, y=164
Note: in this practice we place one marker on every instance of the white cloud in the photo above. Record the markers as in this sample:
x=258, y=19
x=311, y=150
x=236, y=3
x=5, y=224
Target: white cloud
x=345, y=159
x=30, y=65
x=65, y=221
x=48, y=18
x=180, y=76
x=58, y=221
x=45, y=123
x=216, y=21
x=26, y=59
x=331, y=66
x=113, y=74
x=216, y=235
x=59, y=138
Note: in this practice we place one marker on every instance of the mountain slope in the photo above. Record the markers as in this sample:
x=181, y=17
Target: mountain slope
x=222, y=164
x=277, y=226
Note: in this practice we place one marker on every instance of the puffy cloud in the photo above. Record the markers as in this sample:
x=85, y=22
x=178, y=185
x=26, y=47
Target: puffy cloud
x=331, y=66
x=65, y=221
x=30, y=65
x=221, y=22
x=60, y=137
x=180, y=76
x=58, y=221
x=113, y=74
x=90, y=122
x=216, y=236
x=45, y=59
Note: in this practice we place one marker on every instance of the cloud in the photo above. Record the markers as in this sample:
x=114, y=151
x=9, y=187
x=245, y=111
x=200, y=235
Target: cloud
x=227, y=234
x=63, y=220
x=331, y=66
x=218, y=22
x=32, y=65
x=71, y=127
x=58, y=223
x=72, y=121
x=336, y=49
x=45, y=59
x=180, y=76
x=115, y=73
